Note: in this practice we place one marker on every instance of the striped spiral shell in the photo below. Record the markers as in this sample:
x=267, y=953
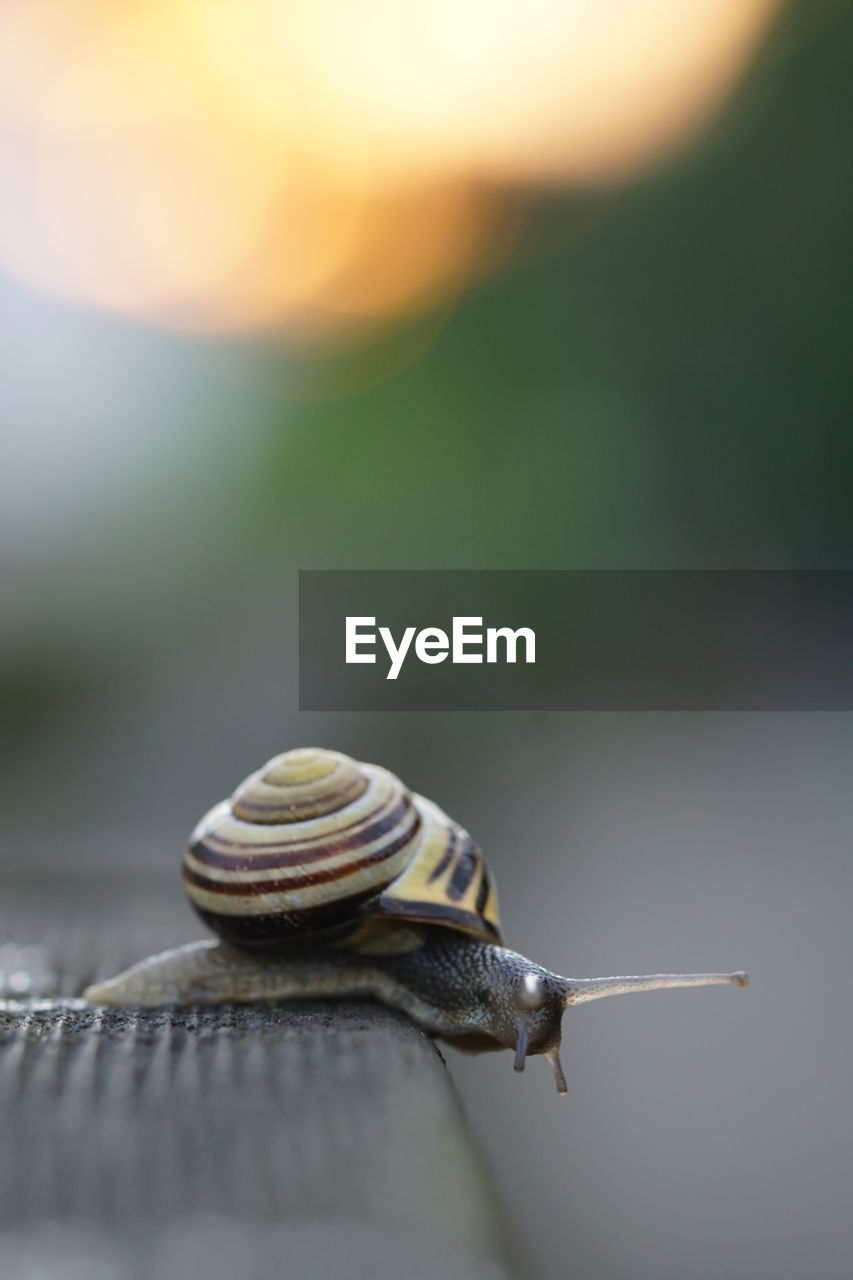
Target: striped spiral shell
x=314, y=839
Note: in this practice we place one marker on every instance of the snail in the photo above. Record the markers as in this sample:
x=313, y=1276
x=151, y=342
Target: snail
x=325, y=877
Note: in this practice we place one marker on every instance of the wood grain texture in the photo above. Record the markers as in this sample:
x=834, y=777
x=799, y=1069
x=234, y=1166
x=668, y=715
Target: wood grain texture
x=306, y=1139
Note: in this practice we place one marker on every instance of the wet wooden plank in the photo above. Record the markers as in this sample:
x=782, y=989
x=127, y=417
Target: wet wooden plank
x=304, y=1139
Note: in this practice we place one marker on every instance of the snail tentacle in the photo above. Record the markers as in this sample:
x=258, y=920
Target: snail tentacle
x=582, y=990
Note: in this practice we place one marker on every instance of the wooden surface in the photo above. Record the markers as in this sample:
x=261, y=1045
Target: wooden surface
x=304, y=1140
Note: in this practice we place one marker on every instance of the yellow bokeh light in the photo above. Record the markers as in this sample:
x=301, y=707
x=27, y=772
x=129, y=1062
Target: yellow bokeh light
x=312, y=163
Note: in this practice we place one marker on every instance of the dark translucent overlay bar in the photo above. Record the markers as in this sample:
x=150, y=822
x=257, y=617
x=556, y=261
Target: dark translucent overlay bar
x=604, y=640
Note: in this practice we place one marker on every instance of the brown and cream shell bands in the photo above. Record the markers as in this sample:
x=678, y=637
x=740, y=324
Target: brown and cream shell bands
x=314, y=839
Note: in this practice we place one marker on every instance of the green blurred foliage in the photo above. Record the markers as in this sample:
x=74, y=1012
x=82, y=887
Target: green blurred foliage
x=662, y=380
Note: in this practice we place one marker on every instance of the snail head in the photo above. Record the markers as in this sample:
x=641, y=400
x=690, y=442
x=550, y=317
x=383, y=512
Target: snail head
x=527, y=1002
x=540, y=999
x=525, y=1010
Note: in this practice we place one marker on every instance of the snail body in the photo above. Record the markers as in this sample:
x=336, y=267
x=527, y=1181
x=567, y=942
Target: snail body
x=325, y=878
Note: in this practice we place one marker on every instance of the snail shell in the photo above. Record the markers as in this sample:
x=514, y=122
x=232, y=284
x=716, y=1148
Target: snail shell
x=315, y=839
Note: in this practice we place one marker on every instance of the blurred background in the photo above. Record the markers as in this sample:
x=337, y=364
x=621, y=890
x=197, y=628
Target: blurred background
x=301, y=286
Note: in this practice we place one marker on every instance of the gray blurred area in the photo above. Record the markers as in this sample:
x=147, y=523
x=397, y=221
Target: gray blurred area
x=658, y=378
